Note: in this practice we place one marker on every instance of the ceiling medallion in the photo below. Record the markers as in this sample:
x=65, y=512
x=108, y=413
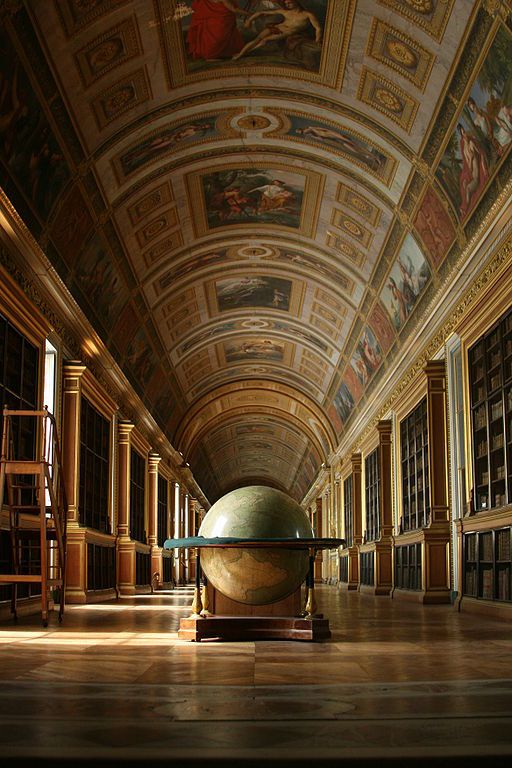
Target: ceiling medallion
x=253, y=122
x=352, y=227
x=255, y=324
x=401, y=53
x=360, y=205
x=388, y=99
x=255, y=251
x=421, y=6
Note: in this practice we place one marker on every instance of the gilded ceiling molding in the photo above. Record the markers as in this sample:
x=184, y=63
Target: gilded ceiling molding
x=265, y=95
x=205, y=158
x=212, y=401
x=401, y=53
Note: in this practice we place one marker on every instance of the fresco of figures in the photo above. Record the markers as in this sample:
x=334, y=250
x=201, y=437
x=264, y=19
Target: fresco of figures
x=405, y=282
x=435, y=227
x=163, y=142
x=344, y=141
x=367, y=356
x=483, y=133
x=250, y=196
x=255, y=349
x=308, y=261
x=193, y=265
x=253, y=291
x=251, y=32
x=99, y=281
x=344, y=402
x=28, y=148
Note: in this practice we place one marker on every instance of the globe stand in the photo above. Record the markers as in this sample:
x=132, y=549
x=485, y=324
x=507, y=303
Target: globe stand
x=242, y=628
x=202, y=624
x=216, y=615
x=196, y=601
x=310, y=607
x=205, y=600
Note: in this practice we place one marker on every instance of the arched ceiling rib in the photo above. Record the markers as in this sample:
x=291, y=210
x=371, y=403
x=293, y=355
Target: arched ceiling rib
x=231, y=224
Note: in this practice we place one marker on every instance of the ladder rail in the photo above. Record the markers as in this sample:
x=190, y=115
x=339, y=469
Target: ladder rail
x=49, y=504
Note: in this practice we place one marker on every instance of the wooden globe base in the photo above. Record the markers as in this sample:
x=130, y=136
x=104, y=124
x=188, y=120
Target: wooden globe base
x=227, y=620
x=231, y=628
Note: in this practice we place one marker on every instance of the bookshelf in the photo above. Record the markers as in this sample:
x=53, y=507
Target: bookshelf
x=487, y=564
x=372, y=495
x=415, y=469
x=367, y=568
x=408, y=567
x=490, y=376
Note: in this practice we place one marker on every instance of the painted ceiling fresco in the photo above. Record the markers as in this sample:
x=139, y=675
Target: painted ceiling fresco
x=254, y=201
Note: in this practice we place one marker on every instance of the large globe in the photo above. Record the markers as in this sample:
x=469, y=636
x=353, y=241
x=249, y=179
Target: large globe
x=255, y=576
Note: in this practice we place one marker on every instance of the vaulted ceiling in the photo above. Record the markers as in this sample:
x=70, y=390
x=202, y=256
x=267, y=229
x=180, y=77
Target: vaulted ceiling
x=251, y=207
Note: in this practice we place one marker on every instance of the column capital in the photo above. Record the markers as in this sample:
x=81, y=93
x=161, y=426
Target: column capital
x=124, y=428
x=435, y=369
x=72, y=372
x=75, y=367
x=154, y=460
x=357, y=462
x=384, y=426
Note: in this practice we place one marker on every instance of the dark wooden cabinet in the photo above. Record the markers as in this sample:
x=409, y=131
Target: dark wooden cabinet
x=415, y=469
x=490, y=375
x=372, y=495
x=137, y=497
x=408, y=567
x=94, y=478
x=487, y=564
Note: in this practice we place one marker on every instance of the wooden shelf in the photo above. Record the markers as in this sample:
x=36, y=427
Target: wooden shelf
x=487, y=564
x=491, y=411
x=415, y=469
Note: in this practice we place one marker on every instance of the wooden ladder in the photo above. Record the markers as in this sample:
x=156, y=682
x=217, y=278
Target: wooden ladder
x=32, y=491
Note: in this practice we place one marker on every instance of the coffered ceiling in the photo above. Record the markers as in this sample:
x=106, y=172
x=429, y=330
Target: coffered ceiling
x=253, y=210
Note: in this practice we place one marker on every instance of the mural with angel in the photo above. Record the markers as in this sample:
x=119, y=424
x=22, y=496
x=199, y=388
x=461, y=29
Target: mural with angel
x=483, y=134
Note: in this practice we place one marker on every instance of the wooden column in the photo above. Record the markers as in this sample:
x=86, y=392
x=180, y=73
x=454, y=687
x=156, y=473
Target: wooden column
x=357, y=522
x=384, y=546
x=156, y=551
x=76, y=571
x=436, y=569
x=125, y=547
x=437, y=439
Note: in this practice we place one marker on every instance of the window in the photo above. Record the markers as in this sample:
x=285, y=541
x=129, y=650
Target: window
x=347, y=511
x=163, y=495
x=490, y=374
x=137, y=509
x=372, y=495
x=94, y=468
x=415, y=469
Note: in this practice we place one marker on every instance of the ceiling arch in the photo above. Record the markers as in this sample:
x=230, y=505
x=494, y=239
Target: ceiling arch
x=256, y=212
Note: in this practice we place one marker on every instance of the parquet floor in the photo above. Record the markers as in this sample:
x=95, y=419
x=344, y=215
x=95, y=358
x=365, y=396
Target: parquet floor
x=397, y=682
